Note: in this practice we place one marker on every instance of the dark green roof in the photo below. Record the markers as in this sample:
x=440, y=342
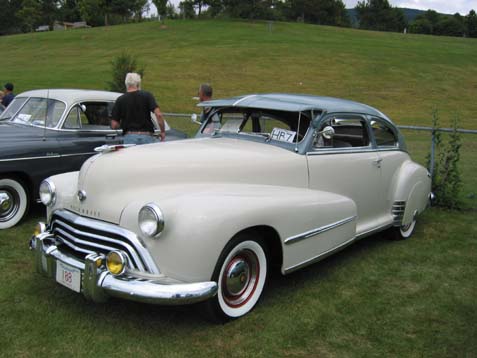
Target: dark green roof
x=294, y=103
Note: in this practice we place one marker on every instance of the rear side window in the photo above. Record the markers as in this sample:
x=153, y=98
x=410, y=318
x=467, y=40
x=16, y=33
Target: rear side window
x=349, y=132
x=384, y=134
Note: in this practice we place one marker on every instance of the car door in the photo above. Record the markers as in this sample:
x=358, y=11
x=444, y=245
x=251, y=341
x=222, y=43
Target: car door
x=85, y=127
x=348, y=164
x=392, y=156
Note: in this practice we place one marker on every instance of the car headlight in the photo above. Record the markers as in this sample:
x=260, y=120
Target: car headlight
x=116, y=262
x=151, y=220
x=47, y=192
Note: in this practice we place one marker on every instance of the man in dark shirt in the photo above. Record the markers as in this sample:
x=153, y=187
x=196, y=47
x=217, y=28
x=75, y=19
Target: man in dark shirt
x=132, y=113
x=205, y=94
x=8, y=94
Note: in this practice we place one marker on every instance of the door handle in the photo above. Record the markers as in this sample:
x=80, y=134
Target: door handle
x=111, y=135
x=377, y=162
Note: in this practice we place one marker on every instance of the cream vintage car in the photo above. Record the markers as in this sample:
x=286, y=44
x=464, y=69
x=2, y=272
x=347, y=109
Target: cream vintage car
x=270, y=181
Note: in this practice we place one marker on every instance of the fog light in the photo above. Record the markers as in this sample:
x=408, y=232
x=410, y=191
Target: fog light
x=116, y=262
x=39, y=229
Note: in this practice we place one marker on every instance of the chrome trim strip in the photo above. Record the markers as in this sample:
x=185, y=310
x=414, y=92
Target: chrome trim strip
x=72, y=241
x=243, y=99
x=324, y=151
x=47, y=157
x=114, y=229
x=319, y=257
x=317, y=231
x=373, y=231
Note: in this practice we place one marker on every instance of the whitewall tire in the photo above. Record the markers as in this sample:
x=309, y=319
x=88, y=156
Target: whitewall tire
x=240, y=273
x=13, y=202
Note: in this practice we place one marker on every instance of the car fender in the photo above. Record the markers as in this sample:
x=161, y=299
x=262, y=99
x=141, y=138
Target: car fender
x=201, y=220
x=412, y=184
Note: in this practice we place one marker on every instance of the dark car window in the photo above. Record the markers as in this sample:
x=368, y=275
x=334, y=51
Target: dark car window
x=349, y=132
x=383, y=134
x=89, y=116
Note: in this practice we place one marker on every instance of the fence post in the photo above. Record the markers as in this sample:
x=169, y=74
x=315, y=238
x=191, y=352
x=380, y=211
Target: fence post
x=433, y=152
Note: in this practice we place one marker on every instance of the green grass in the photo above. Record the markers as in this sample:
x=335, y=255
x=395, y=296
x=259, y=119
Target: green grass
x=405, y=76
x=376, y=298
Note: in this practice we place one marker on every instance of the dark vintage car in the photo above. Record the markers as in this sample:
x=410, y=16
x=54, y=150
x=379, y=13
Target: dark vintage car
x=46, y=132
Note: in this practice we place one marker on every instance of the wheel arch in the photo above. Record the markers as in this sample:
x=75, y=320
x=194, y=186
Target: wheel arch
x=271, y=239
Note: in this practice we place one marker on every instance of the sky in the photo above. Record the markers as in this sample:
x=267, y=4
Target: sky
x=443, y=6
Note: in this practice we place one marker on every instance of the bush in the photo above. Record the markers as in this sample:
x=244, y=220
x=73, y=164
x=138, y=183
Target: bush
x=121, y=66
x=446, y=180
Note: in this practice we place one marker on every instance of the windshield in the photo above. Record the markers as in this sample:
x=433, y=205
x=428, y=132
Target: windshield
x=13, y=108
x=35, y=111
x=274, y=126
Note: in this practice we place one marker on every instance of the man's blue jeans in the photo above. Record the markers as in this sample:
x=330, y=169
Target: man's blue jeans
x=139, y=139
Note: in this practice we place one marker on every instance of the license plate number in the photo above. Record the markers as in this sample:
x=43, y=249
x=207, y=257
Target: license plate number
x=68, y=276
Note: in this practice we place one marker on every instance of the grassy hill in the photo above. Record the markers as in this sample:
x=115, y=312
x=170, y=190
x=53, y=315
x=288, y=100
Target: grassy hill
x=405, y=76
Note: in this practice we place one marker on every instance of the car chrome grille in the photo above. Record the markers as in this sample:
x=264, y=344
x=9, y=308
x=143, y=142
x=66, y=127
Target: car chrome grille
x=398, y=212
x=81, y=236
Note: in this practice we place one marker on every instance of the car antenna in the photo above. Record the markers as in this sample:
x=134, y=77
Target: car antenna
x=298, y=131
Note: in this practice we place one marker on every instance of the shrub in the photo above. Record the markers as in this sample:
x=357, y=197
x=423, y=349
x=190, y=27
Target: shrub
x=122, y=65
x=446, y=180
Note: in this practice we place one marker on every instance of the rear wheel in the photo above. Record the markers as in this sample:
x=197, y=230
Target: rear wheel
x=240, y=273
x=13, y=202
x=404, y=232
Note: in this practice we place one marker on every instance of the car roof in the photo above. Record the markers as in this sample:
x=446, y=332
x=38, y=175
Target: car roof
x=71, y=95
x=294, y=103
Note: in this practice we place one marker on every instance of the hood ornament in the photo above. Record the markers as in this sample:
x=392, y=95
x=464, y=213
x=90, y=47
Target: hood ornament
x=81, y=195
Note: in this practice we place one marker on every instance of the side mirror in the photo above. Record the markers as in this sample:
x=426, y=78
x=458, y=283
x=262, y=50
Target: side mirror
x=193, y=119
x=82, y=107
x=328, y=132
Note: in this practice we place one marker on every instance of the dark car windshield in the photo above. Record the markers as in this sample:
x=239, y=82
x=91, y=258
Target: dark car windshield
x=274, y=126
x=35, y=111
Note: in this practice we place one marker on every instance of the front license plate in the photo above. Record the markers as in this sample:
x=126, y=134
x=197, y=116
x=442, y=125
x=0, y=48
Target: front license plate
x=68, y=276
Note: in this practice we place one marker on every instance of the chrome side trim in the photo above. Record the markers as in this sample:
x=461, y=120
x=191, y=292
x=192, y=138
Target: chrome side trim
x=324, y=151
x=150, y=265
x=319, y=257
x=373, y=231
x=317, y=231
x=243, y=99
x=47, y=157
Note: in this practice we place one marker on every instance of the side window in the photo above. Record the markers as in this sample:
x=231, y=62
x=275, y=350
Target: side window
x=349, y=132
x=73, y=120
x=383, y=134
x=96, y=115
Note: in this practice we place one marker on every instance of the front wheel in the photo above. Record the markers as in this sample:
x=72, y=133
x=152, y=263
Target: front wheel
x=13, y=202
x=240, y=273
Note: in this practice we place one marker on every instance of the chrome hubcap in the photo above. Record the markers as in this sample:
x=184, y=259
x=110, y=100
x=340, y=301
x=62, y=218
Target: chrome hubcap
x=8, y=205
x=238, y=275
x=240, y=278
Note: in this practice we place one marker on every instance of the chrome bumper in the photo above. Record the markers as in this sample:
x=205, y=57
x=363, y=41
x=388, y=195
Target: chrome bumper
x=98, y=284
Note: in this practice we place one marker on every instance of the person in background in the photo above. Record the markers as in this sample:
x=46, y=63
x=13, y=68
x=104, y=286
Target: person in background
x=8, y=94
x=205, y=94
x=132, y=113
x=1, y=99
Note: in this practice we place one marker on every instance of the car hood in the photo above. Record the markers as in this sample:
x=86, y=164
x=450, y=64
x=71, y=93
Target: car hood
x=159, y=171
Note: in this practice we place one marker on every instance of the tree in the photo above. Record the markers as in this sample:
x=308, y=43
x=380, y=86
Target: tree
x=121, y=66
x=471, y=24
x=69, y=10
x=450, y=26
x=9, y=21
x=161, y=6
x=379, y=15
x=323, y=12
x=29, y=13
x=186, y=9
